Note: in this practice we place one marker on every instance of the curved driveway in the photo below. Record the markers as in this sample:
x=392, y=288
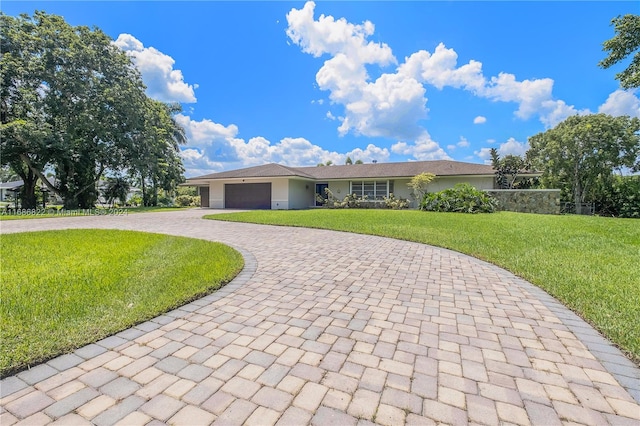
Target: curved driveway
x=325, y=327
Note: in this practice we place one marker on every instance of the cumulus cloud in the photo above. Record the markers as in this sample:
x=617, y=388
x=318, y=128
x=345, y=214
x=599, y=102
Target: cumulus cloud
x=621, y=102
x=422, y=149
x=215, y=147
x=510, y=147
x=558, y=111
x=196, y=162
x=163, y=82
x=388, y=106
x=439, y=69
x=368, y=155
x=394, y=104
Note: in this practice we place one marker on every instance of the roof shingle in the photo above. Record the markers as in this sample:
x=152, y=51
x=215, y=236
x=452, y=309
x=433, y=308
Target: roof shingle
x=355, y=171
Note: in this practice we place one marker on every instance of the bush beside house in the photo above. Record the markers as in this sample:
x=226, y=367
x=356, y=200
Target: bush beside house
x=462, y=198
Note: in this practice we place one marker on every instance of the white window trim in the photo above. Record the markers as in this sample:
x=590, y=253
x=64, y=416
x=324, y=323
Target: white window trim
x=375, y=188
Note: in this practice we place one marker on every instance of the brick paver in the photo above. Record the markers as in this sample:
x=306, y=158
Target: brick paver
x=334, y=328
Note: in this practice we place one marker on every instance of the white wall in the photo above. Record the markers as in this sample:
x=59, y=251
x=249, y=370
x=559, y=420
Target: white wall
x=301, y=194
x=279, y=193
x=339, y=188
x=216, y=194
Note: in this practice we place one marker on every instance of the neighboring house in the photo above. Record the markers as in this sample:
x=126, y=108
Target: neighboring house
x=8, y=190
x=273, y=186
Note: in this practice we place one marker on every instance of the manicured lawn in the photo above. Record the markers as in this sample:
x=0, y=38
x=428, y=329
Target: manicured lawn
x=63, y=289
x=59, y=213
x=591, y=264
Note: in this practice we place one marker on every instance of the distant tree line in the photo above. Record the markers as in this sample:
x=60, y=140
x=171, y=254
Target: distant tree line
x=73, y=110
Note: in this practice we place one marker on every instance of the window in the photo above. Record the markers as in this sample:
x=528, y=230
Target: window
x=374, y=190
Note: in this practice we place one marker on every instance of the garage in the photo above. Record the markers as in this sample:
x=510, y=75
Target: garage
x=247, y=196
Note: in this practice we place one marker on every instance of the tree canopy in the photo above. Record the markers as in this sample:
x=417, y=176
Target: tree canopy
x=624, y=43
x=584, y=153
x=74, y=103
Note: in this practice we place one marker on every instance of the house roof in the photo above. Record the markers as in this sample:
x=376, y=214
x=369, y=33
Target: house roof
x=356, y=171
x=11, y=185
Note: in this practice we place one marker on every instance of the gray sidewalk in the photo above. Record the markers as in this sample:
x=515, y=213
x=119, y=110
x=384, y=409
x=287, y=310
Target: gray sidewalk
x=325, y=327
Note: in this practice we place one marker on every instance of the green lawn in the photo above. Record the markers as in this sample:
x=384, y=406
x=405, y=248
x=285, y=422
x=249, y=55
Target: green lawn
x=591, y=264
x=56, y=212
x=63, y=289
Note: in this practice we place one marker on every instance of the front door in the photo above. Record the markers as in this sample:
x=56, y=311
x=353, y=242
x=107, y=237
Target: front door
x=320, y=191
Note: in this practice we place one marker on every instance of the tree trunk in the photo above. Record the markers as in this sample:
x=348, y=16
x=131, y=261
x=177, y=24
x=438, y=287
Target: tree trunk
x=28, y=193
x=577, y=191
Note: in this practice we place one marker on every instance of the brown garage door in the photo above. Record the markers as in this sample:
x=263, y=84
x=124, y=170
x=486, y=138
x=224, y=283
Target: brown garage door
x=247, y=196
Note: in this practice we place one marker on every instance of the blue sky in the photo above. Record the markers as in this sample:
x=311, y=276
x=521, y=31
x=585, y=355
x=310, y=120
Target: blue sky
x=300, y=83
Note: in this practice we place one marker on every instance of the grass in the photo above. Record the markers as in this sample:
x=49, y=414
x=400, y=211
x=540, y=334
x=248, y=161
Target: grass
x=61, y=290
x=56, y=212
x=591, y=264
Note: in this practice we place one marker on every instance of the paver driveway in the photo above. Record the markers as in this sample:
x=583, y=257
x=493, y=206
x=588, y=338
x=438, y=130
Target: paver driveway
x=332, y=328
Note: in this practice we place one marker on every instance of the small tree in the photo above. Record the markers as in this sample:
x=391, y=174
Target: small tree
x=508, y=170
x=348, y=161
x=359, y=162
x=418, y=184
x=117, y=189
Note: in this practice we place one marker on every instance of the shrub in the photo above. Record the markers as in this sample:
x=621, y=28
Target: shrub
x=394, y=203
x=187, y=200
x=462, y=198
x=352, y=201
x=621, y=197
x=135, y=200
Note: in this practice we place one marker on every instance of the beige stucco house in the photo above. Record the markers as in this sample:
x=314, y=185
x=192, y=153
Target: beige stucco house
x=274, y=186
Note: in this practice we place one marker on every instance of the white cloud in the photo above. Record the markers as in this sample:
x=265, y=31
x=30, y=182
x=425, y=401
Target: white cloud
x=529, y=94
x=558, y=111
x=621, y=102
x=163, y=82
x=196, y=162
x=513, y=147
x=328, y=35
x=438, y=69
x=423, y=149
x=213, y=147
x=463, y=142
x=368, y=155
x=388, y=106
x=394, y=104
x=331, y=116
x=510, y=147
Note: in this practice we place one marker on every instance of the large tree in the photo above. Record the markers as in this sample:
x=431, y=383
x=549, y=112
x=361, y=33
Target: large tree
x=626, y=42
x=24, y=130
x=156, y=164
x=583, y=153
x=73, y=102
